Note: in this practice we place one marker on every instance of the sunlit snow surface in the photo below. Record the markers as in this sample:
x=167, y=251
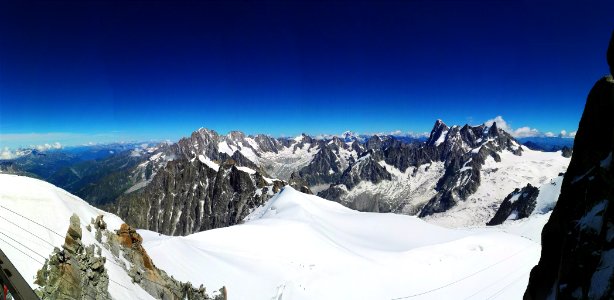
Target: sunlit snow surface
x=299, y=246
x=499, y=179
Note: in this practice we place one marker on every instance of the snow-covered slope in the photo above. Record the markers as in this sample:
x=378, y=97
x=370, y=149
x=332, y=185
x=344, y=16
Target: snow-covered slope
x=296, y=246
x=299, y=246
x=41, y=202
x=498, y=179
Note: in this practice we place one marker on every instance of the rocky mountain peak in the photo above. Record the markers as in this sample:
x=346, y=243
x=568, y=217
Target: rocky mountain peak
x=374, y=142
x=493, y=131
x=437, y=133
x=236, y=136
x=348, y=136
x=339, y=143
x=303, y=138
x=204, y=133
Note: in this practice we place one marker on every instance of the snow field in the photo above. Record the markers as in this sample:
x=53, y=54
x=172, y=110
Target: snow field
x=303, y=247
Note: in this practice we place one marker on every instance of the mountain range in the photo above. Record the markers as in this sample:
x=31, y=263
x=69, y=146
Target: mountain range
x=209, y=180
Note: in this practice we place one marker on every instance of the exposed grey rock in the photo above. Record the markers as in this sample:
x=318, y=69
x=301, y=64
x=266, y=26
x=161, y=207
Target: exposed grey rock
x=462, y=149
x=334, y=192
x=75, y=272
x=186, y=196
x=464, y=164
x=152, y=279
x=268, y=144
x=99, y=223
x=520, y=202
x=189, y=196
x=299, y=183
x=366, y=168
x=324, y=168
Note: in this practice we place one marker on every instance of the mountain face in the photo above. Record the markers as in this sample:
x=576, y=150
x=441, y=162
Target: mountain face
x=577, y=258
x=458, y=151
x=188, y=196
x=209, y=180
x=518, y=204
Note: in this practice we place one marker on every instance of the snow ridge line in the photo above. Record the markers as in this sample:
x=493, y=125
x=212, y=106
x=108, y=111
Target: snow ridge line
x=268, y=205
x=463, y=278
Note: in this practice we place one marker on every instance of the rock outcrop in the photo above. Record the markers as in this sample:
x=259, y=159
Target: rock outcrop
x=519, y=204
x=143, y=271
x=577, y=258
x=75, y=271
x=323, y=168
x=566, y=152
x=78, y=271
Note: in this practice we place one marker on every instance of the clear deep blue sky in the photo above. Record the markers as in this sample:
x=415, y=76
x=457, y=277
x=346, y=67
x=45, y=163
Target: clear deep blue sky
x=80, y=71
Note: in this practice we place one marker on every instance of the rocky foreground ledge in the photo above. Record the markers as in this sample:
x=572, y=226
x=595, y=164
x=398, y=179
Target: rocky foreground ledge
x=78, y=271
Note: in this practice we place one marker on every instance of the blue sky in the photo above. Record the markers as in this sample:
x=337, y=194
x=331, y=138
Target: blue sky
x=78, y=72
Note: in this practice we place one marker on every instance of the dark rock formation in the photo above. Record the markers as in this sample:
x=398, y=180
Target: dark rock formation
x=438, y=133
x=464, y=151
x=325, y=167
x=577, y=258
x=188, y=196
x=299, y=183
x=566, y=152
x=366, y=168
x=520, y=204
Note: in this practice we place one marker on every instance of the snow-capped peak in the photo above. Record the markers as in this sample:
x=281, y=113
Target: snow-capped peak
x=349, y=136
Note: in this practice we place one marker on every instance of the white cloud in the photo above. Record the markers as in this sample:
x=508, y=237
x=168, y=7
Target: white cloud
x=565, y=134
x=526, y=131
x=47, y=146
x=518, y=133
x=398, y=133
x=502, y=124
x=6, y=153
x=401, y=133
